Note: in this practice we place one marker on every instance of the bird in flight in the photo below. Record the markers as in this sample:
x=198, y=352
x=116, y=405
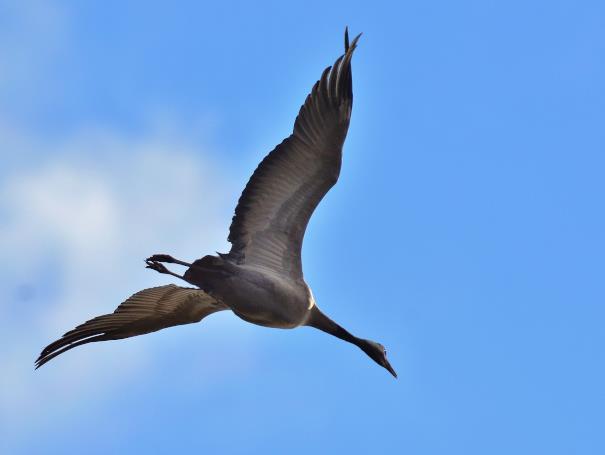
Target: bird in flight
x=261, y=278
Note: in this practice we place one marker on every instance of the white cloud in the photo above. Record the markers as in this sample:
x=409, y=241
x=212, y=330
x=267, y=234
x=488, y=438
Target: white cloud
x=78, y=214
x=75, y=226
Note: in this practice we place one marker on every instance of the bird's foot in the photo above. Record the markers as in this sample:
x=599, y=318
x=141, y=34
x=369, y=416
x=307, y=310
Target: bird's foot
x=162, y=258
x=157, y=266
x=167, y=258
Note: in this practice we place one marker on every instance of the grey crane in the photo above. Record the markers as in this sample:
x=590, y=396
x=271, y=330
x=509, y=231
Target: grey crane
x=261, y=278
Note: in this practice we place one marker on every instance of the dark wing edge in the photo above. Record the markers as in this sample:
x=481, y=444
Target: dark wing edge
x=274, y=209
x=146, y=311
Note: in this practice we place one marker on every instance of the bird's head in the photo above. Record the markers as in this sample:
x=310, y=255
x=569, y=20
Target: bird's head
x=378, y=354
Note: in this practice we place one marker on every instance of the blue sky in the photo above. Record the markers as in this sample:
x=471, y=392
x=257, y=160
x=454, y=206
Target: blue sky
x=466, y=232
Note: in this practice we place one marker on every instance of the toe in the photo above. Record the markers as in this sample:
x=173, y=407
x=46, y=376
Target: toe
x=161, y=258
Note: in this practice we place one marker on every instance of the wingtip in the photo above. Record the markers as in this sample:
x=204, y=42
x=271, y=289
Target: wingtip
x=346, y=38
x=41, y=360
x=350, y=45
x=354, y=42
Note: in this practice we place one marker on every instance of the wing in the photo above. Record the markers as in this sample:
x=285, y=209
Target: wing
x=273, y=211
x=144, y=312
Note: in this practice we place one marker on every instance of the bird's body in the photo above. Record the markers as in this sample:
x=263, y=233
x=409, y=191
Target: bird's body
x=261, y=297
x=260, y=279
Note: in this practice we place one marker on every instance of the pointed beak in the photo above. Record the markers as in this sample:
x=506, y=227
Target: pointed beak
x=388, y=366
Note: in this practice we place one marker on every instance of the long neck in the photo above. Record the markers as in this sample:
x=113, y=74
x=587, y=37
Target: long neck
x=324, y=323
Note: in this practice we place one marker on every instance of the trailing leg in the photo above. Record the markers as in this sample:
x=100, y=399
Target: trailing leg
x=161, y=268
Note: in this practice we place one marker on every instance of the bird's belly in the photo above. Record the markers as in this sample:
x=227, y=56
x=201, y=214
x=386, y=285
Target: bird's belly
x=270, y=312
x=268, y=303
x=268, y=319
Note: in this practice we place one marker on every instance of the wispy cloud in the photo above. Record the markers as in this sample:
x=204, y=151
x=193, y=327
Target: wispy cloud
x=75, y=225
x=79, y=211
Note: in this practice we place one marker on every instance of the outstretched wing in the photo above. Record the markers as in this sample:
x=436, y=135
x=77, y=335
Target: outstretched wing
x=144, y=312
x=273, y=211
